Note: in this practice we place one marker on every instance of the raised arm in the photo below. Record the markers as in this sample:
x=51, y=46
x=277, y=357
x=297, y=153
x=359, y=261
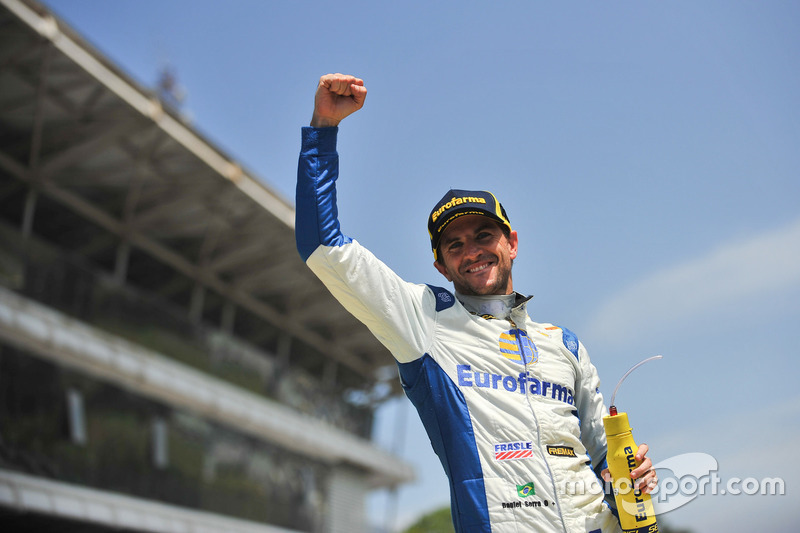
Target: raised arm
x=338, y=95
x=398, y=313
x=316, y=221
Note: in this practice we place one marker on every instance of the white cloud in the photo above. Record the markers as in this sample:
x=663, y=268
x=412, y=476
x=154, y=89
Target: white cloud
x=725, y=276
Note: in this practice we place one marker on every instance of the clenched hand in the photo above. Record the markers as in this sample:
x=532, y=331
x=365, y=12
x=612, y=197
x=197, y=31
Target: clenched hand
x=338, y=95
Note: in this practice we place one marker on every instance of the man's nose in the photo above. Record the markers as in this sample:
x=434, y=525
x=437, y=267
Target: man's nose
x=472, y=249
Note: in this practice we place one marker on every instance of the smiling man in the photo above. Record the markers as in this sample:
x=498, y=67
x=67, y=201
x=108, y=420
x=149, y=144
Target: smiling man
x=473, y=243
x=512, y=406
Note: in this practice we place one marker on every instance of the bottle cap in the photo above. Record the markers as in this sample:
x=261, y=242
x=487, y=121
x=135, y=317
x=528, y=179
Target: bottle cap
x=616, y=424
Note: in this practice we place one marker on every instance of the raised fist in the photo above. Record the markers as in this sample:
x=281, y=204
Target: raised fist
x=338, y=95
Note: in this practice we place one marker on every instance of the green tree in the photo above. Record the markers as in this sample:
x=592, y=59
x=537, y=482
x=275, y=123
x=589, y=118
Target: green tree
x=438, y=521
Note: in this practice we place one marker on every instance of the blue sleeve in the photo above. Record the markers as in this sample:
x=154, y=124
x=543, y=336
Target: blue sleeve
x=316, y=215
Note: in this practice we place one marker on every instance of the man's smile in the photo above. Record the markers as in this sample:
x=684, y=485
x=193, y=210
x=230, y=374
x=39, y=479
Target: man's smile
x=480, y=267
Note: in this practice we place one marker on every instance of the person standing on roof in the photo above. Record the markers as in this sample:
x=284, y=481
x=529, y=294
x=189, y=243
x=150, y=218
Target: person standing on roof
x=512, y=406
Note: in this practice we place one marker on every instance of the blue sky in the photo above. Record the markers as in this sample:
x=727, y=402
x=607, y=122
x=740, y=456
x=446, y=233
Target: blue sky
x=646, y=152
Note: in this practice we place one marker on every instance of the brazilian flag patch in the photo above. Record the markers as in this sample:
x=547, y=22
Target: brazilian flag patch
x=526, y=490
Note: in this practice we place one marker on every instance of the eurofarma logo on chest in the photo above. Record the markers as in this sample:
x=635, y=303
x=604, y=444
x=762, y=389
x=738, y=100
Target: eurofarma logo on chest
x=515, y=346
x=521, y=383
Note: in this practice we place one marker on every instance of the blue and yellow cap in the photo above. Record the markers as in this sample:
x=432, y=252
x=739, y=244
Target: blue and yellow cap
x=456, y=203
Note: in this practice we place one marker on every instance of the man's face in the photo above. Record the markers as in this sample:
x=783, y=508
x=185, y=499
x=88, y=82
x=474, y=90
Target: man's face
x=476, y=256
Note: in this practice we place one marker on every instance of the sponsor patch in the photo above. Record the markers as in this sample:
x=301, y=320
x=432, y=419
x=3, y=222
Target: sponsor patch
x=523, y=383
x=516, y=346
x=508, y=451
x=563, y=451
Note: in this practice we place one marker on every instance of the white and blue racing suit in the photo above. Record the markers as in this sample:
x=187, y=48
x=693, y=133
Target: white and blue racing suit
x=512, y=407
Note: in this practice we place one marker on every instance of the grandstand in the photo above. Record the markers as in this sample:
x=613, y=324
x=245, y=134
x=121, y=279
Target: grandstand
x=167, y=362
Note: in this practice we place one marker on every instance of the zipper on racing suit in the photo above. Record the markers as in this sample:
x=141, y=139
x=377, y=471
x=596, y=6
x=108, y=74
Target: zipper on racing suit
x=518, y=338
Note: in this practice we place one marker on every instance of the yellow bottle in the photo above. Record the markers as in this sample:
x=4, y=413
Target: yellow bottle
x=635, y=508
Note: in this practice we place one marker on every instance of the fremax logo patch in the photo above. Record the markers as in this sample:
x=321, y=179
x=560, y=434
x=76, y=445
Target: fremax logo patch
x=515, y=345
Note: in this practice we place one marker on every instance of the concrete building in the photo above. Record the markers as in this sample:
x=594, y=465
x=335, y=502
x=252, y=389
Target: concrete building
x=167, y=362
